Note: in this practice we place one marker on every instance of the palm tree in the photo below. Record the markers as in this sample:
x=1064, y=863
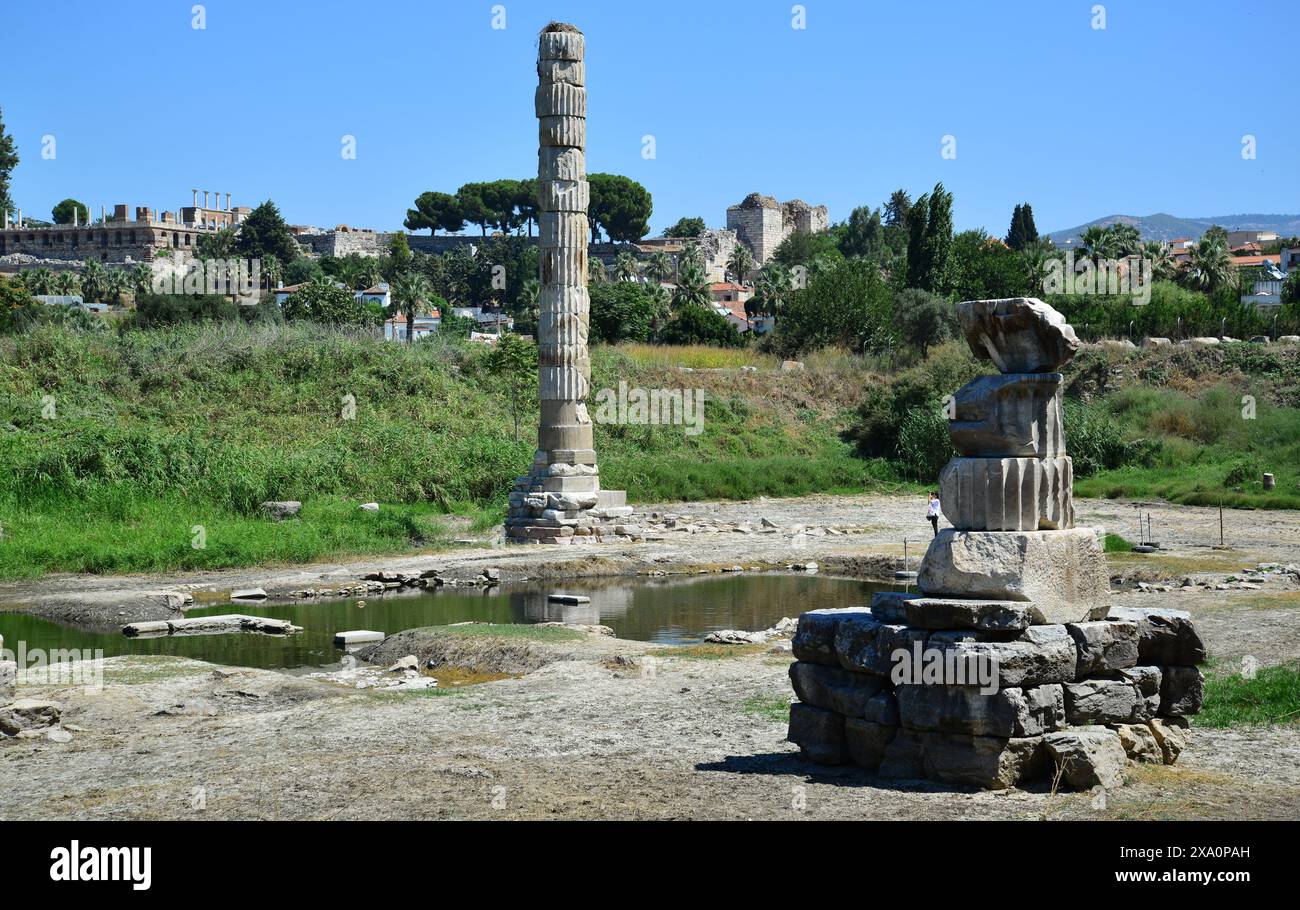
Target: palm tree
x=92, y=280
x=1099, y=242
x=691, y=255
x=626, y=267
x=39, y=281
x=741, y=262
x=411, y=293
x=595, y=271
x=692, y=287
x=1211, y=266
x=141, y=279
x=1161, y=255
x=659, y=266
x=116, y=283
x=661, y=300
x=273, y=269
x=1036, y=257
x=772, y=286
x=65, y=283
x=529, y=304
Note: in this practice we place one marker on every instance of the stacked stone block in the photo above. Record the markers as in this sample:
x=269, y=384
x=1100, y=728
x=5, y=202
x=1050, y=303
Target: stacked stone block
x=1085, y=696
x=1013, y=588
x=560, y=501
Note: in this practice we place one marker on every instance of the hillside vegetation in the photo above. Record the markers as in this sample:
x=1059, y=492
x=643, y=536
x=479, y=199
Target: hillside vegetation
x=120, y=448
x=151, y=449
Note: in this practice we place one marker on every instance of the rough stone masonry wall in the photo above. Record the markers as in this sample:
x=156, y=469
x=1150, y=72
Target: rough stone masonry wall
x=1035, y=671
x=1084, y=696
x=762, y=223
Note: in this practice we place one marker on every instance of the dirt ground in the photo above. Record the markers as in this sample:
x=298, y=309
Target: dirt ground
x=608, y=728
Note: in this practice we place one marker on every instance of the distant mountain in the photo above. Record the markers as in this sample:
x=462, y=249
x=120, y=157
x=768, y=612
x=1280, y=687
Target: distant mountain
x=1168, y=227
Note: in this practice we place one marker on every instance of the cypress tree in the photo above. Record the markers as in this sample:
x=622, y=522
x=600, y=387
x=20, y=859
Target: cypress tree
x=1016, y=233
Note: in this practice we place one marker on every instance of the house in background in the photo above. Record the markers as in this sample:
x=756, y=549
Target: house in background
x=1267, y=291
x=379, y=294
x=396, y=328
x=733, y=312
x=729, y=292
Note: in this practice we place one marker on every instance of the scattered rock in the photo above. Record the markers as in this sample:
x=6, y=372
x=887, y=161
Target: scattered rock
x=281, y=510
x=1088, y=758
x=29, y=714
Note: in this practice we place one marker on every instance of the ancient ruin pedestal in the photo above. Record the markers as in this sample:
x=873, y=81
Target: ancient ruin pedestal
x=560, y=500
x=1036, y=671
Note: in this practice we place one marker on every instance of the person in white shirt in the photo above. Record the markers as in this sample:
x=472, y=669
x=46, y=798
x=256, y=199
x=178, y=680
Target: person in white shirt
x=932, y=512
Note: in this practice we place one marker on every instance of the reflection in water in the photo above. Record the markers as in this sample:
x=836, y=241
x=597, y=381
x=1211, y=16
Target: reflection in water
x=666, y=610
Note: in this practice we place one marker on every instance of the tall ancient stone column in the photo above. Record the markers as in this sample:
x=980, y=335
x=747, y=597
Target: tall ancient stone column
x=559, y=500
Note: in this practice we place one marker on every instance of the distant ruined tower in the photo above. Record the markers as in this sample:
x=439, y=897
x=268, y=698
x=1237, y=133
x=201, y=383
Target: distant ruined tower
x=560, y=501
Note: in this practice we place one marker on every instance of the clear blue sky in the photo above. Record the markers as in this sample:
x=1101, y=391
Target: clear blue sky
x=1145, y=116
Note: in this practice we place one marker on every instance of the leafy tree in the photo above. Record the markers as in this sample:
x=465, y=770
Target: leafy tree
x=849, y=305
x=513, y=361
x=66, y=210
x=864, y=233
x=923, y=319
x=153, y=310
x=18, y=308
x=301, y=270
x=981, y=267
x=321, y=301
x=804, y=248
x=399, y=248
x=8, y=161
x=897, y=208
x=695, y=323
x=437, y=212
x=526, y=202
x=936, y=244
x=216, y=245
x=686, y=228
x=620, y=206
x=263, y=233
x=622, y=311
x=1291, y=288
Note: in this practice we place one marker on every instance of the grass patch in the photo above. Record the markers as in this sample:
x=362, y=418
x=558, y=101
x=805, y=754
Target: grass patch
x=1231, y=700
x=523, y=631
x=1116, y=544
x=775, y=708
x=708, y=651
x=118, y=446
